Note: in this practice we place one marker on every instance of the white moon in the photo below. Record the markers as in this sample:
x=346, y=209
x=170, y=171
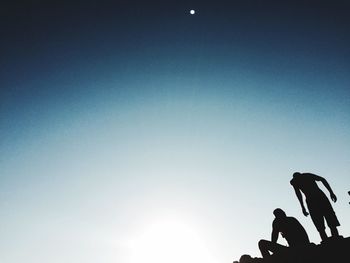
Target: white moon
x=192, y=12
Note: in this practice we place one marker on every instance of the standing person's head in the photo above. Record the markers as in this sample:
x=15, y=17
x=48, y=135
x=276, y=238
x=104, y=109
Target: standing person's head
x=279, y=213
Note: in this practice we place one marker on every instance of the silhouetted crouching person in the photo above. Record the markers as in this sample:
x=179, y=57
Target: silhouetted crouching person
x=290, y=229
x=317, y=202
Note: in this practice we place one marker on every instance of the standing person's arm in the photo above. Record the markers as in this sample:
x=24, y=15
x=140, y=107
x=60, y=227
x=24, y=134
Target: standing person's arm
x=326, y=184
x=300, y=198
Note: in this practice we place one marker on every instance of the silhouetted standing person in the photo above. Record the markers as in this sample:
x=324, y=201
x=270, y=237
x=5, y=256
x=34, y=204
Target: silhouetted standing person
x=290, y=229
x=317, y=202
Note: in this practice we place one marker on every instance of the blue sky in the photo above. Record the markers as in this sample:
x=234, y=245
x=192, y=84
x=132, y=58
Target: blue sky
x=135, y=132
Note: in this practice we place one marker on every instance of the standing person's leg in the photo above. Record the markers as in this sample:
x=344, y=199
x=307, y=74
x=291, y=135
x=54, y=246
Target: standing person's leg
x=331, y=218
x=332, y=223
x=318, y=220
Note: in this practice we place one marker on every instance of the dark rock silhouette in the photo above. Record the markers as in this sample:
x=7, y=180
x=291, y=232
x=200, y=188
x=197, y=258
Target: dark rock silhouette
x=317, y=202
x=248, y=259
x=332, y=250
x=290, y=229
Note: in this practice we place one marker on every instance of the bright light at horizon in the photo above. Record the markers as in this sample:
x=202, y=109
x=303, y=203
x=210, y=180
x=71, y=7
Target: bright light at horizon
x=171, y=241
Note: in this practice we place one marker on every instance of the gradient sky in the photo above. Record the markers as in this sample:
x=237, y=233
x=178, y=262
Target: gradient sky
x=132, y=131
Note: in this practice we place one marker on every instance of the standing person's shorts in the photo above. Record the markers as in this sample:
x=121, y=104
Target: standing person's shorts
x=320, y=208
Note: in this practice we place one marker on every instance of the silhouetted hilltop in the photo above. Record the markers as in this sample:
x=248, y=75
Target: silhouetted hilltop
x=331, y=251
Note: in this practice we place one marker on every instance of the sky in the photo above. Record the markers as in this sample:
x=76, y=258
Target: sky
x=133, y=131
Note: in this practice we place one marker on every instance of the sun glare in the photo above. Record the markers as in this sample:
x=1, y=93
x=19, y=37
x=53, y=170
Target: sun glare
x=170, y=241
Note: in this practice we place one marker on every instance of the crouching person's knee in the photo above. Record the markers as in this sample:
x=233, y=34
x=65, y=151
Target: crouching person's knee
x=263, y=243
x=264, y=247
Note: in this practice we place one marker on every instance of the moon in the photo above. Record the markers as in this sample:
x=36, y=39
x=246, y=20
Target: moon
x=192, y=12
